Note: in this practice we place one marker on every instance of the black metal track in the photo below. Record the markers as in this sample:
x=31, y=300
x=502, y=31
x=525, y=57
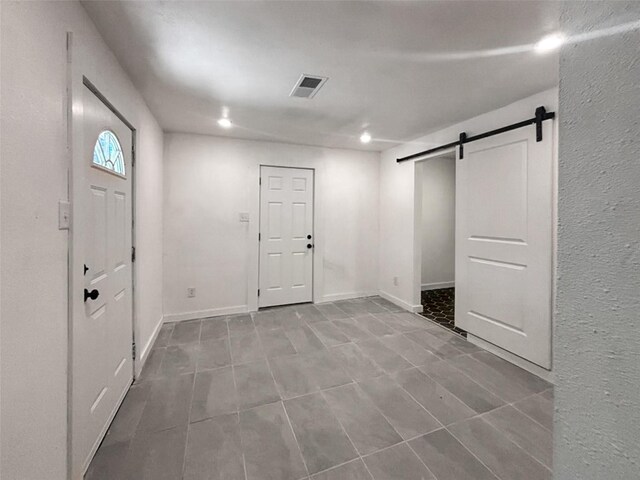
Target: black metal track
x=541, y=116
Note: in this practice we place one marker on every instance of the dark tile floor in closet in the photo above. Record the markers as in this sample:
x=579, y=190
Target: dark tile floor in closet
x=439, y=305
x=349, y=390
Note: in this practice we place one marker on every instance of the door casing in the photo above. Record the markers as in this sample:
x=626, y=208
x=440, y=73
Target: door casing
x=254, y=229
x=312, y=232
x=418, y=227
x=79, y=63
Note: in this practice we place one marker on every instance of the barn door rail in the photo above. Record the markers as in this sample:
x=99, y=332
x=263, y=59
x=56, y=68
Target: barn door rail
x=540, y=116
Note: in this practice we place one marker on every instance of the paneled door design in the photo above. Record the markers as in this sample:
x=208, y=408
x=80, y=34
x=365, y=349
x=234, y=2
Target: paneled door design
x=504, y=242
x=286, y=236
x=102, y=338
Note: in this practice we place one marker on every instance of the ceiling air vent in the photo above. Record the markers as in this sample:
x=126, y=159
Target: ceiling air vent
x=307, y=86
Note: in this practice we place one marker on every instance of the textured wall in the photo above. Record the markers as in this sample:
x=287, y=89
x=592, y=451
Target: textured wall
x=597, y=337
x=438, y=221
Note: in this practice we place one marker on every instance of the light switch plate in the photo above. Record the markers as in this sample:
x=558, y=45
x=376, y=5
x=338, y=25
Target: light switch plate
x=64, y=215
x=244, y=217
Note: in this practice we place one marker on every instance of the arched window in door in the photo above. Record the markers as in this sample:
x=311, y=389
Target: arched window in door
x=107, y=153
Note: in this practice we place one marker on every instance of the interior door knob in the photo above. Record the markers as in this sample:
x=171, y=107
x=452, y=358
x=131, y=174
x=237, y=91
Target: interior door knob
x=93, y=294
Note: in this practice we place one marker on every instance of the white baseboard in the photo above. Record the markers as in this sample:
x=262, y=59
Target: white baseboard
x=334, y=297
x=515, y=359
x=212, y=312
x=401, y=303
x=144, y=353
x=435, y=286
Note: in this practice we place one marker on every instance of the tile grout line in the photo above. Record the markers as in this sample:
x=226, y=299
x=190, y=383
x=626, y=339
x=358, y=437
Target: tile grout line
x=513, y=405
x=399, y=435
x=281, y=401
x=479, y=415
x=295, y=437
x=355, y=449
x=188, y=426
x=507, y=402
x=499, y=429
x=526, y=414
x=445, y=427
x=421, y=461
x=416, y=400
x=459, y=399
x=474, y=455
x=136, y=429
x=235, y=387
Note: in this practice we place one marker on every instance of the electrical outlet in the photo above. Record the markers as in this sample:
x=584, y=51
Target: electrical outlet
x=396, y=282
x=191, y=292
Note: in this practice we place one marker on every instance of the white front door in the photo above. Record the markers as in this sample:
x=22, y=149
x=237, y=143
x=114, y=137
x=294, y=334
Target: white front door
x=504, y=242
x=286, y=236
x=102, y=337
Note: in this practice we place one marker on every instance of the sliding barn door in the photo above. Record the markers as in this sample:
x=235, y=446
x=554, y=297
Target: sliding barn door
x=286, y=236
x=504, y=242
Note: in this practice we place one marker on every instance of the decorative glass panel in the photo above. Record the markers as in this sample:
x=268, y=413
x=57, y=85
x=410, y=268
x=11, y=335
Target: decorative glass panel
x=107, y=153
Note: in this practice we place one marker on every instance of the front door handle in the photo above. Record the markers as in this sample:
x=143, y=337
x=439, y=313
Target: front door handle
x=93, y=294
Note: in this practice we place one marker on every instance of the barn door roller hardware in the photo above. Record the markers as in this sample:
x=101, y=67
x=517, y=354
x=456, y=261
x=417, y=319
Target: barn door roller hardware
x=541, y=116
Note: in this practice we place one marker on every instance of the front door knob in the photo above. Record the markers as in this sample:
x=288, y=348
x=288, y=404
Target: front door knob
x=309, y=245
x=93, y=294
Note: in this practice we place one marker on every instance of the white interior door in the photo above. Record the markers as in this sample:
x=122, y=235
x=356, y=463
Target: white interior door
x=286, y=236
x=102, y=337
x=504, y=242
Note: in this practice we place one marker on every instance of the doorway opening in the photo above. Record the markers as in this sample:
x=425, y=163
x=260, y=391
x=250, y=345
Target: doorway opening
x=437, y=180
x=286, y=236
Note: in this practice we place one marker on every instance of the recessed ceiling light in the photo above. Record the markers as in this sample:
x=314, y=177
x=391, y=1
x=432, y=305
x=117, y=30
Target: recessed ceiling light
x=550, y=42
x=365, y=137
x=225, y=123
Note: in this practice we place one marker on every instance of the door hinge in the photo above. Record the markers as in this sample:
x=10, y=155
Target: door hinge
x=259, y=237
x=133, y=254
x=258, y=292
x=133, y=350
x=260, y=181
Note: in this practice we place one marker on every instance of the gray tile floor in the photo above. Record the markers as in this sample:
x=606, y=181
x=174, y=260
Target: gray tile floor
x=350, y=390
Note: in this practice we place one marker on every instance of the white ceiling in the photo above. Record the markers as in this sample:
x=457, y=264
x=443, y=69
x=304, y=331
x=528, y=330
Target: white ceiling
x=397, y=69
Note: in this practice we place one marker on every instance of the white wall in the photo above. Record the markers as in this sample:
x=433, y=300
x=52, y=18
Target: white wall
x=148, y=232
x=438, y=221
x=210, y=180
x=400, y=241
x=35, y=163
x=597, y=334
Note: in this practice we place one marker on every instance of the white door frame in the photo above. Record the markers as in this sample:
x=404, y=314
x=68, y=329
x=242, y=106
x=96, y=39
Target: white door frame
x=259, y=221
x=79, y=65
x=254, y=228
x=417, y=222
